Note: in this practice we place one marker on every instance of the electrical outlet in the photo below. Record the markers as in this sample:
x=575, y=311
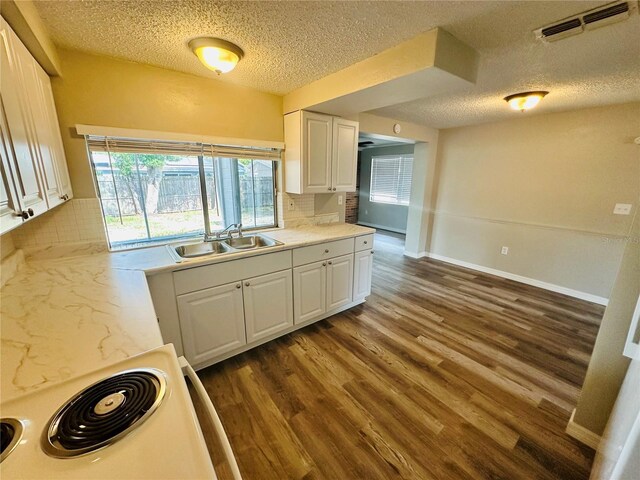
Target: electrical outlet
x=505, y=251
x=622, y=209
x=339, y=199
x=292, y=205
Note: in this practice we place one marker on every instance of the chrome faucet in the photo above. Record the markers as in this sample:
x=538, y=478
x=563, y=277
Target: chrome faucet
x=228, y=230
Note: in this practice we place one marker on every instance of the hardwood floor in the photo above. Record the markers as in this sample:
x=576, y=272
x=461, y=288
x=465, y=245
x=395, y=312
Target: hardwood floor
x=445, y=373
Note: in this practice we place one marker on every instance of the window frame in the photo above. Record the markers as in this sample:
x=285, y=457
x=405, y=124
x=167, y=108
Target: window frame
x=207, y=151
x=403, y=158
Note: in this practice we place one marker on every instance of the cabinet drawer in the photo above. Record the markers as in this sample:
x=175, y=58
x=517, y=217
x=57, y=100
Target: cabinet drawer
x=365, y=242
x=322, y=251
x=209, y=276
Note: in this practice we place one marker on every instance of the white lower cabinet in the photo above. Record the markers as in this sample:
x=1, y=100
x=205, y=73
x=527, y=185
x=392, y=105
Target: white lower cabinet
x=212, y=321
x=362, y=272
x=339, y=282
x=268, y=304
x=309, y=291
x=219, y=310
x=322, y=287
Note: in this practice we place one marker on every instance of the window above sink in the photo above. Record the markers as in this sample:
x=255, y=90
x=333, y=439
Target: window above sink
x=153, y=191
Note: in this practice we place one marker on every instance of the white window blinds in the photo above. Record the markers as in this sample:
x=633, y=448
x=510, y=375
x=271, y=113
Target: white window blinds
x=163, y=147
x=391, y=179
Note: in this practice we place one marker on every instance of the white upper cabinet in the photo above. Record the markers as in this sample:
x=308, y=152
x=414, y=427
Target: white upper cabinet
x=23, y=160
x=345, y=155
x=10, y=210
x=316, y=141
x=321, y=153
x=42, y=137
x=34, y=169
x=60, y=160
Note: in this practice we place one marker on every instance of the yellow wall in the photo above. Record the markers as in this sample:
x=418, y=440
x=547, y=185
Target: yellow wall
x=545, y=186
x=103, y=91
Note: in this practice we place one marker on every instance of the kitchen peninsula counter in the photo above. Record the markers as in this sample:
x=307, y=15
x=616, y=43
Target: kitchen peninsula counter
x=72, y=309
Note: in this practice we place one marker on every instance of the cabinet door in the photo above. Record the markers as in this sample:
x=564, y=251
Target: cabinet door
x=25, y=167
x=345, y=155
x=268, y=304
x=212, y=322
x=362, y=271
x=35, y=79
x=9, y=204
x=60, y=160
x=316, y=152
x=339, y=281
x=309, y=291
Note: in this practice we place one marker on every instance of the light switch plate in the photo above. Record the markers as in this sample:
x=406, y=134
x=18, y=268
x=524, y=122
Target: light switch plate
x=339, y=199
x=504, y=251
x=622, y=209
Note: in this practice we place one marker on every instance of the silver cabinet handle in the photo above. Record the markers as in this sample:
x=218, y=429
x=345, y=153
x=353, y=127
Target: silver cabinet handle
x=247, y=284
x=238, y=285
x=326, y=250
x=371, y=252
x=329, y=188
x=324, y=264
x=330, y=263
x=365, y=242
x=334, y=189
x=23, y=215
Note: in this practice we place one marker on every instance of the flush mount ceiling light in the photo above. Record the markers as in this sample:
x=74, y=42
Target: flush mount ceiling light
x=525, y=100
x=216, y=54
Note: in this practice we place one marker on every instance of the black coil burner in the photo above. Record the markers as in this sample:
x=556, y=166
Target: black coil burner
x=104, y=412
x=10, y=434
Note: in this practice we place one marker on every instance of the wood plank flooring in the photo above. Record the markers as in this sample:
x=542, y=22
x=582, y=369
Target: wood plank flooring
x=445, y=373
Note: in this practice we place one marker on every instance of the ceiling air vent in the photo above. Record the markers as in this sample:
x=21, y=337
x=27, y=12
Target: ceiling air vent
x=562, y=30
x=606, y=16
x=589, y=20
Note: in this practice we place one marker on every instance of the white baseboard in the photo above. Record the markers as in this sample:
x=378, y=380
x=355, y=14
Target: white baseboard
x=518, y=278
x=382, y=227
x=582, y=434
x=415, y=254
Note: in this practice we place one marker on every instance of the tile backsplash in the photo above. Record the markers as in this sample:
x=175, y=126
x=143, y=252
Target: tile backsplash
x=303, y=208
x=78, y=220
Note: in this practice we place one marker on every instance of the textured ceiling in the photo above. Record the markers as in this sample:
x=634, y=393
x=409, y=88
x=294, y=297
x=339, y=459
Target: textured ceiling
x=290, y=44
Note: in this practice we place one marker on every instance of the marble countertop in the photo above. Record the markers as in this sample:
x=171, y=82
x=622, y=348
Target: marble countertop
x=70, y=310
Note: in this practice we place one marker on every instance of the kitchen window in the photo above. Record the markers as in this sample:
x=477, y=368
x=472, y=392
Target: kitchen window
x=154, y=191
x=391, y=179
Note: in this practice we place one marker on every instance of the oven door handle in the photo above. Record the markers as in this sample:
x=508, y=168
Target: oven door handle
x=204, y=397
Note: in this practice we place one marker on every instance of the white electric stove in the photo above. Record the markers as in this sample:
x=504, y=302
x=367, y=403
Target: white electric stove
x=132, y=420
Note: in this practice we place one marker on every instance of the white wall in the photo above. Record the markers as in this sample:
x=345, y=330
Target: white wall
x=545, y=186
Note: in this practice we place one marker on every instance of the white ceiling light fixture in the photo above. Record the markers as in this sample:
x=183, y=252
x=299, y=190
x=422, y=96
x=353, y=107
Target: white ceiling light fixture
x=525, y=100
x=216, y=54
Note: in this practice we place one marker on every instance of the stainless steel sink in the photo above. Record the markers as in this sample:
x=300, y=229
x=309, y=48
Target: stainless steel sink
x=249, y=242
x=229, y=245
x=200, y=249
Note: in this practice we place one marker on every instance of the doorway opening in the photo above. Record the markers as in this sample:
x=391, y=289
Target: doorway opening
x=383, y=186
